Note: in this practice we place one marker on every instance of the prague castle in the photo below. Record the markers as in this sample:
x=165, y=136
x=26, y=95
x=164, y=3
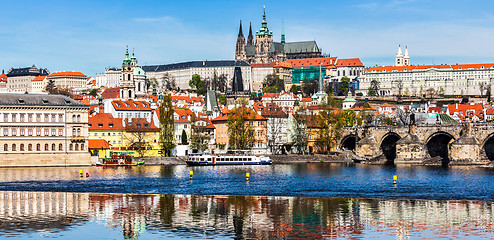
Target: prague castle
x=264, y=50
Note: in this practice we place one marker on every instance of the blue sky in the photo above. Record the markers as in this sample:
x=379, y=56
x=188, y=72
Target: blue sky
x=89, y=36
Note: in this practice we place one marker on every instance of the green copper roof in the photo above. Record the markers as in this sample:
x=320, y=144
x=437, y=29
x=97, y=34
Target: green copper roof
x=139, y=72
x=282, y=32
x=264, y=25
x=133, y=58
x=126, y=61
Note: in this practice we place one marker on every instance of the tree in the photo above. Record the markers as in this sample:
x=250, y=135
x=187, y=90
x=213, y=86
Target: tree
x=184, y=137
x=294, y=89
x=168, y=83
x=298, y=131
x=273, y=83
x=219, y=83
x=374, y=86
x=399, y=85
x=167, y=125
x=345, y=82
x=240, y=130
x=198, y=134
x=94, y=92
x=331, y=122
x=50, y=87
x=222, y=99
x=309, y=87
x=197, y=83
x=137, y=130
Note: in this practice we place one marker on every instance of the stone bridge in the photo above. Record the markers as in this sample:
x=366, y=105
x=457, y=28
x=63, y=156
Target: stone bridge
x=453, y=143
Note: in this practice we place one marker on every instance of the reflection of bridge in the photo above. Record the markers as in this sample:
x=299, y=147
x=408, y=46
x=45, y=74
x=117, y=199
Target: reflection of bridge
x=454, y=143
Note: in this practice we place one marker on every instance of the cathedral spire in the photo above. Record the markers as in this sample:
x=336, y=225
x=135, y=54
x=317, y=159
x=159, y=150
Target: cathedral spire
x=250, y=38
x=264, y=24
x=126, y=61
x=282, y=32
x=240, y=32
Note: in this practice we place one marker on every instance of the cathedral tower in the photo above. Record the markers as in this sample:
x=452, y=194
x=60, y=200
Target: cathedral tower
x=250, y=38
x=399, y=59
x=240, y=54
x=264, y=40
x=406, y=58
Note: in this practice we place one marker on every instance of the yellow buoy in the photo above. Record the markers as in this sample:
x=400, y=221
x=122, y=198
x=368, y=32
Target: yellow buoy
x=191, y=173
x=247, y=175
x=395, y=178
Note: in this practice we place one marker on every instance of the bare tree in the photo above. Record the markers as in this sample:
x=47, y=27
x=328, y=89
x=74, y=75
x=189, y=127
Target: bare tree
x=168, y=83
x=137, y=130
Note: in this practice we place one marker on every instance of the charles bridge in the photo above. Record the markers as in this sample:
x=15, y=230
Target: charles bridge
x=471, y=143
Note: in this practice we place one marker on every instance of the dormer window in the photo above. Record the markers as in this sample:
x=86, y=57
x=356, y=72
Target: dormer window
x=45, y=101
x=100, y=125
x=110, y=125
x=67, y=101
x=20, y=100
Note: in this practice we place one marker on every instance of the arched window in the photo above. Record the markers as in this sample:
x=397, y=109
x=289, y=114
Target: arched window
x=13, y=147
x=73, y=131
x=73, y=118
x=6, y=147
x=343, y=72
x=78, y=132
x=38, y=147
x=78, y=118
x=53, y=147
x=30, y=147
x=130, y=91
x=82, y=146
x=21, y=147
x=71, y=147
x=60, y=147
x=77, y=147
x=46, y=147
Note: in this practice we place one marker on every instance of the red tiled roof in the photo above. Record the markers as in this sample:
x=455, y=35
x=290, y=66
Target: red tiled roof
x=39, y=78
x=183, y=115
x=139, y=124
x=111, y=93
x=283, y=64
x=349, y=62
x=67, y=73
x=315, y=62
x=463, y=108
x=434, y=109
x=271, y=64
x=269, y=109
x=419, y=67
x=385, y=105
x=98, y=144
x=270, y=95
x=104, y=121
x=130, y=105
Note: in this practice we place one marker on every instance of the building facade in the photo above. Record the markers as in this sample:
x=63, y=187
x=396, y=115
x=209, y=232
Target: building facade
x=454, y=80
x=43, y=130
x=19, y=80
x=265, y=50
x=68, y=79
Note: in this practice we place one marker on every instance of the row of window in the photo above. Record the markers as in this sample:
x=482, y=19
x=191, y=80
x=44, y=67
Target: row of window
x=29, y=132
x=29, y=147
x=22, y=117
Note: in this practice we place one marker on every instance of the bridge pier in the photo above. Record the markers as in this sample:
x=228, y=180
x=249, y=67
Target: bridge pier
x=409, y=149
x=367, y=147
x=466, y=149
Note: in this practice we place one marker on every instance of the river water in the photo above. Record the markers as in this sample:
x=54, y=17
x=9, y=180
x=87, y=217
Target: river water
x=308, y=201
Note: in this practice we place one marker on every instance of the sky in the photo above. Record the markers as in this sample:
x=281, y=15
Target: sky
x=89, y=36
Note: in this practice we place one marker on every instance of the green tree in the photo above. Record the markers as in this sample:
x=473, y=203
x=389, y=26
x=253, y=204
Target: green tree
x=294, y=89
x=374, y=86
x=309, y=87
x=184, y=137
x=331, y=121
x=240, y=129
x=299, y=131
x=50, y=87
x=371, y=92
x=274, y=83
x=94, y=92
x=196, y=83
x=222, y=99
x=344, y=84
x=167, y=125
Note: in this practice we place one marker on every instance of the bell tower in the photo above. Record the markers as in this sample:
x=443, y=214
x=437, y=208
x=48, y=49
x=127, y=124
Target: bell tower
x=127, y=87
x=264, y=40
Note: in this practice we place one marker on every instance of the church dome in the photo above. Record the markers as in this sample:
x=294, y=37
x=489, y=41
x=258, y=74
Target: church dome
x=139, y=71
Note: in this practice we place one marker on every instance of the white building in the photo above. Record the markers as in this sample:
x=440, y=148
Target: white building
x=459, y=79
x=111, y=78
x=19, y=80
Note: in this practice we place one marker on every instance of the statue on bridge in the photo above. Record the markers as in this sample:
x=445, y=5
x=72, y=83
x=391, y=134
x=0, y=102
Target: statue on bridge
x=411, y=126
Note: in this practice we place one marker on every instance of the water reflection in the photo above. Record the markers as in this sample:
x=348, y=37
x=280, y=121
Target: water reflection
x=131, y=216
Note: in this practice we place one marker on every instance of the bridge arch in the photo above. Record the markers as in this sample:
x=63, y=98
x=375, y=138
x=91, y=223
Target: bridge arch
x=349, y=142
x=488, y=146
x=388, y=145
x=438, y=145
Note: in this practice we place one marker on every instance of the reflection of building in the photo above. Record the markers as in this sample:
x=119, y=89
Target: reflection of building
x=42, y=130
x=37, y=211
